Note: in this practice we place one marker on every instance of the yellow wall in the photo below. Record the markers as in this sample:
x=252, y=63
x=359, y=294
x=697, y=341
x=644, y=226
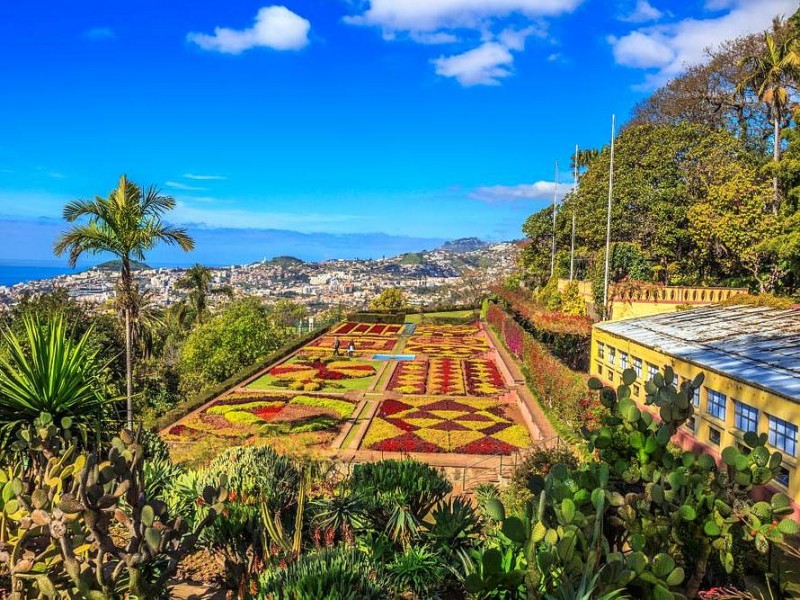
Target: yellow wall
x=654, y=299
x=767, y=403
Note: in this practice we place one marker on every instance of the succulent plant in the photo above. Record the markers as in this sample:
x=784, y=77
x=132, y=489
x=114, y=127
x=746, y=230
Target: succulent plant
x=61, y=522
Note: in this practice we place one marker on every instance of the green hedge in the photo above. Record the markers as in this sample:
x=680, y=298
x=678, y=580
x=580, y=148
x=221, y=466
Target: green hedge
x=387, y=318
x=184, y=408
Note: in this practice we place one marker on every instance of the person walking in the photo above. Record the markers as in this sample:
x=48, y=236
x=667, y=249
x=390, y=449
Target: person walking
x=336, y=344
x=351, y=349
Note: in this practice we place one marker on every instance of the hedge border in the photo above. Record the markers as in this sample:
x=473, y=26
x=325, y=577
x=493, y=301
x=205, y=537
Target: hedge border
x=187, y=406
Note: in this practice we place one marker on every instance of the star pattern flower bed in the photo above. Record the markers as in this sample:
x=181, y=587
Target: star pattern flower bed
x=312, y=374
x=463, y=426
x=244, y=414
x=449, y=377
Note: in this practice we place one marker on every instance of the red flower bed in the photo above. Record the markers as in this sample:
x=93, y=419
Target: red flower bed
x=361, y=328
x=393, y=329
x=408, y=442
x=487, y=445
x=378, y=329
x=178, y=430
x=267, y=412
x=479, y=382
x=390, y=407
x=346, y=328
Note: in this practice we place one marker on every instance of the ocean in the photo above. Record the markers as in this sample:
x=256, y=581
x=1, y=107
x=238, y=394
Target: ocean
x=15, y=273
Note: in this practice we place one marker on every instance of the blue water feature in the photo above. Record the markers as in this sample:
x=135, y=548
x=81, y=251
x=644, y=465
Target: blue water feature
x=394, y=357
x=408, y=329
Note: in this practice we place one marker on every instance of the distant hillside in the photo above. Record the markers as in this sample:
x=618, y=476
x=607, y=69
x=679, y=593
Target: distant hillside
x=463, y=245
x=116, y=265
x=286, y=261
x=412, y=258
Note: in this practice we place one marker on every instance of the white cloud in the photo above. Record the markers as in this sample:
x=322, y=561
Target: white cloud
x=485, y=22
x=100, y=33
x=485, y=65
x=540, y=190
x=275, y=27
x=432, y=15
x=643, y=12
x=177, y=185
x=642, y=51
x=204, y=177
x=670, y=48
x=488, y=63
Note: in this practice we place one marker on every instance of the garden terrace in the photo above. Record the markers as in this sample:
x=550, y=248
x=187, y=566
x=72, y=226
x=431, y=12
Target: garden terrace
x=455, y=398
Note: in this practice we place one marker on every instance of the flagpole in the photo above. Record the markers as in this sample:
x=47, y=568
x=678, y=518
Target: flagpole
x=555, y=204
x=574, y=192
x=608, y=219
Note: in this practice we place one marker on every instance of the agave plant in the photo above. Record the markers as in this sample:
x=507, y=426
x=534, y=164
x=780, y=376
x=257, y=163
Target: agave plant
x=46, y=371
x=332, y=574
x=417, y=572
x=454, y=528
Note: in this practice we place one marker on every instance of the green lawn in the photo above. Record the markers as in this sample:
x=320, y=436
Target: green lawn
x=454, y=314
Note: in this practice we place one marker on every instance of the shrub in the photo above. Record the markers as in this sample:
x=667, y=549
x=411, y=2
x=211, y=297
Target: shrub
x=568, y=337
x=549, y=296
x=417, y=570
x=332, y=574
x=560, y=391
x=539, y=461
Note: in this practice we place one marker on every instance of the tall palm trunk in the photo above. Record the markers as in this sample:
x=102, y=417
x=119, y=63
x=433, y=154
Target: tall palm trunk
x=126, y=285
x=776, y=156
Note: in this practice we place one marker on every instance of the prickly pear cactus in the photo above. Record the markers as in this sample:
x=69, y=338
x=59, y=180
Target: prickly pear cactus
x=646, y=516
x=59, y=508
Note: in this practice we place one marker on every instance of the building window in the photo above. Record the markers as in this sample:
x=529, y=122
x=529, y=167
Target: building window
x=599, y=369
x=612, y=354
x=745, y=417
x=623, y=360
x=651, y=371
x=601, y=350
x=783, y=477
x=714, y=435
x=783, y=435
x=637, y=366
x=610, y=375
x=716, y=403
x=696, y=397
x=635, y=390
x=691, y=423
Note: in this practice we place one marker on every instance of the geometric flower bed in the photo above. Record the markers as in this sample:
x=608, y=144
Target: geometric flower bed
x=364, y=345
x=447, y=346
x=448, y=377
x=357, y=329
x=445, y=376
x=409, y=377
x=311, y=374
x=483, y=377
x=246, y=413
x=464, y=426
x=445, y=330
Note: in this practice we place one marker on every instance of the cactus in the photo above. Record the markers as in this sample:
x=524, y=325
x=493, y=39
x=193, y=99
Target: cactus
x=643, y=518
x=57, y=519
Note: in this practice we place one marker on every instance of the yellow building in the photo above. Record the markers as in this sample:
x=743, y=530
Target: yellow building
x=751, y=360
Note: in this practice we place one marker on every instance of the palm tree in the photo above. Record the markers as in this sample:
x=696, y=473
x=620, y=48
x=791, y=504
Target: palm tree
x=197, y=280
x=770, y=75
x=126, y=224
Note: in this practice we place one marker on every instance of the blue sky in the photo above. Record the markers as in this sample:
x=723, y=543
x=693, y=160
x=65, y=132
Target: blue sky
x=418, y=120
